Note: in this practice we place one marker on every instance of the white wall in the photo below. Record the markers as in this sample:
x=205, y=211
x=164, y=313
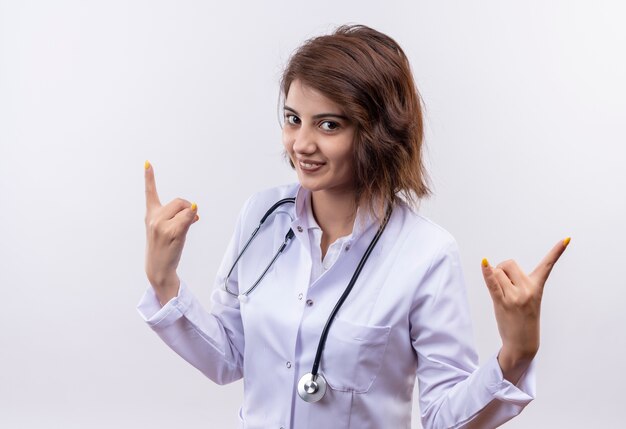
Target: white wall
x=526, y=107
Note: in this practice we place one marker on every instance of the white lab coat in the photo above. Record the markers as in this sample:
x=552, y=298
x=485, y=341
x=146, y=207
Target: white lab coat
x=407, y=315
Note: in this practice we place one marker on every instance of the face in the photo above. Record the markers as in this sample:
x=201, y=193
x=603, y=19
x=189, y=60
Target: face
x=318, y=138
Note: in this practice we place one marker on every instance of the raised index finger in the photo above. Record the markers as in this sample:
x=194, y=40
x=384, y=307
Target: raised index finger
x=152, y=198
x=542, y=271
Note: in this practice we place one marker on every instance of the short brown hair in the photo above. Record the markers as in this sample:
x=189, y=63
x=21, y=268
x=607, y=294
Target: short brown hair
x=367, y=73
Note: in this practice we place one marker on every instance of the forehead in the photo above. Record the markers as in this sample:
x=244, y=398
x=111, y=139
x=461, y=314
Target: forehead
x=306, y=99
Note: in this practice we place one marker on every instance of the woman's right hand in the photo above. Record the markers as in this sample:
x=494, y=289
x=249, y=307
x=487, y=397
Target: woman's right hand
x=166, y=230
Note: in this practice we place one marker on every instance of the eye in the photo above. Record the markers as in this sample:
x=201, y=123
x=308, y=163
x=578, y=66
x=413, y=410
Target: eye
x=329, y=125
x=292, y=119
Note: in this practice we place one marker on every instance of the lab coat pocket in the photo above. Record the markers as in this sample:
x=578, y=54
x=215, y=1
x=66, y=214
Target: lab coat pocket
x=353, y=355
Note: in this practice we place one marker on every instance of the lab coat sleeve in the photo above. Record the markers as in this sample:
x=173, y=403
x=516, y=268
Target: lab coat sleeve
x=454, y=391
x=212, y=341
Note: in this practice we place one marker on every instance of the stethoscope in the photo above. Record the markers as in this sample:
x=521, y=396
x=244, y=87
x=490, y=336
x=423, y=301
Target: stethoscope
x=312, y=386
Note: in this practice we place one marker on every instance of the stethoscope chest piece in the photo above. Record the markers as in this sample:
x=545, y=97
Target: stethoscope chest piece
x=311, y=388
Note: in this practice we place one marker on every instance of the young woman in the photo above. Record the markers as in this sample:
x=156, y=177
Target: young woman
x=344, y=294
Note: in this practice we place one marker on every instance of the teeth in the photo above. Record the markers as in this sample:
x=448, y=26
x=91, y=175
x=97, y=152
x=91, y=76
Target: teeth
x=308, y=165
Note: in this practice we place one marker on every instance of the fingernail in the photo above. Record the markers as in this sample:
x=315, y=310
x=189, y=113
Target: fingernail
x=485, y=262
x=194, y=206
x=566, y=241
x=147, y=165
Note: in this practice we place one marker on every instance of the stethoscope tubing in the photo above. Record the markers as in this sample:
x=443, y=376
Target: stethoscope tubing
x=346, y=292
x=311, y=386
x=288, y=237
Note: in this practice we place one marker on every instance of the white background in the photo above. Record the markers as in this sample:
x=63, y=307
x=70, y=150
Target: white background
x=526, y=110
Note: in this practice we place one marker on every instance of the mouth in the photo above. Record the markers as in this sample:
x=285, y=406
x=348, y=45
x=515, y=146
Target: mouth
x=308, y=165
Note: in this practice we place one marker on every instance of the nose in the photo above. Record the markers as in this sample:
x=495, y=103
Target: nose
x=303, y=141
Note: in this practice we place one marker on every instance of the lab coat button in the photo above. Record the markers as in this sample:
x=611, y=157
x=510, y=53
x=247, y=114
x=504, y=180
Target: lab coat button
x=347, y=247
x=300, y=296
x=288, y=364
x=309, y=302
x=299, y=228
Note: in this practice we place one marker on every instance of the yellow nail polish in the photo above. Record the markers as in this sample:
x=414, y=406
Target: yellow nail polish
x=147, y=165
x=566, y=241
x=485, y=262
x=194, y=206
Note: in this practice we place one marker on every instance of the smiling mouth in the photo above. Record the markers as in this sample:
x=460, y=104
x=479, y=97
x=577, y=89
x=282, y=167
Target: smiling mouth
x=310, y=165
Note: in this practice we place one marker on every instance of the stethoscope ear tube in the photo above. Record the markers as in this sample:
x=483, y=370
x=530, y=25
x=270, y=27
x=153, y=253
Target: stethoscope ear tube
x=288, y=237
x=232, y=268
x=290, y=234
x=277, y=204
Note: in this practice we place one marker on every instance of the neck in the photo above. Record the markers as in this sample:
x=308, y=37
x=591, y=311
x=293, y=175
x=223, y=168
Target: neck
x=334, y=213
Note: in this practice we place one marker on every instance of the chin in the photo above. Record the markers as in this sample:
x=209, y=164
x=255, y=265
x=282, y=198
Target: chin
x=312, y=185
x=321, y=185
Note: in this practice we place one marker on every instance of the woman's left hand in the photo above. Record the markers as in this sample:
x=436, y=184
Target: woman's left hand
x=517, y=303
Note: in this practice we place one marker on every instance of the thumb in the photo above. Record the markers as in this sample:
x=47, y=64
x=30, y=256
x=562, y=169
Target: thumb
x=491, y=281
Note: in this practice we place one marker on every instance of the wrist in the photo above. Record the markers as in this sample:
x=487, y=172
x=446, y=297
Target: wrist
x=514, y=363
x=511, y=360
x=165, y=287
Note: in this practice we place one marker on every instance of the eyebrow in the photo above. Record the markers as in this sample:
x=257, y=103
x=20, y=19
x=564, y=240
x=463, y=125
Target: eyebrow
x=319, y=115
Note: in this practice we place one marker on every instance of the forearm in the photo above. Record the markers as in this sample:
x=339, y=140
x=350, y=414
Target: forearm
x=483, y=400
x=196, y=335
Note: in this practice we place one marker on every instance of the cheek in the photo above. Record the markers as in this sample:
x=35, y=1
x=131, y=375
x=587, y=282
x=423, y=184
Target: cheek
x=348, y=162
x=346, y=154
x=349, y=167
x=287, y=140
